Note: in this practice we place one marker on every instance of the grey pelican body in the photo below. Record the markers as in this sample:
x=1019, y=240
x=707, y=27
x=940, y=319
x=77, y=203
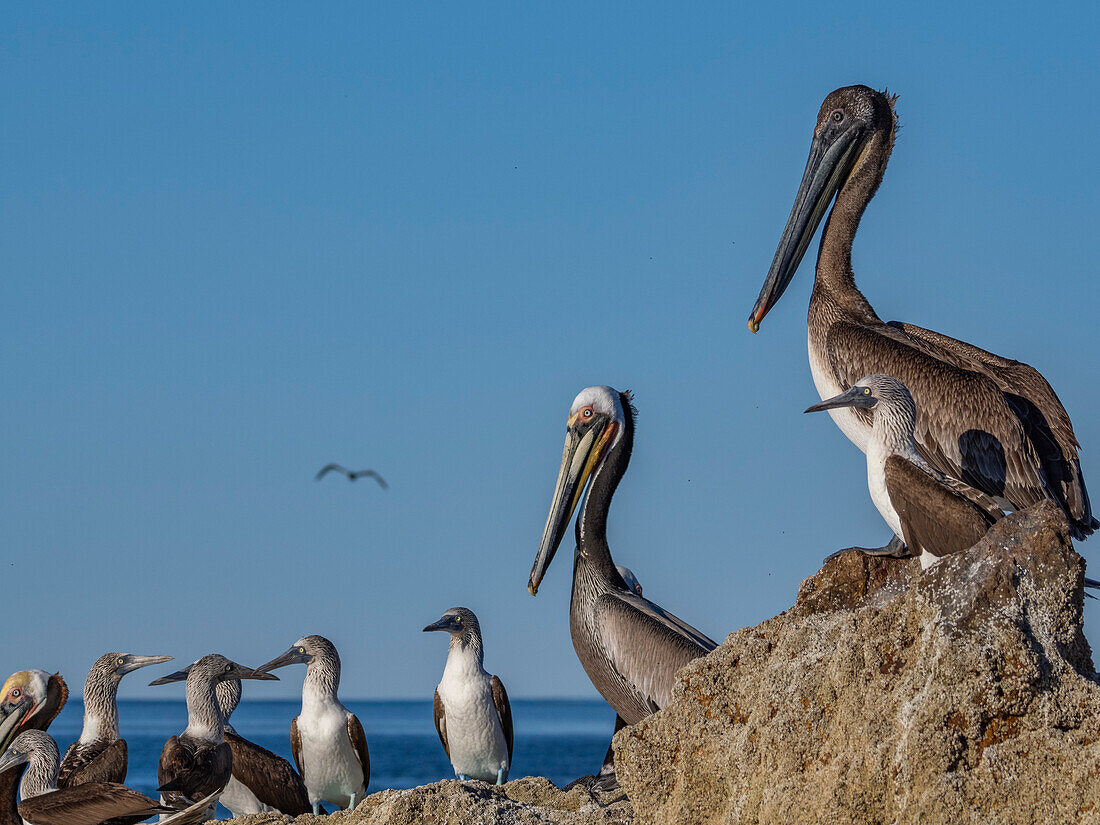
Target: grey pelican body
x=199, y=762
x=472, y=714
x=630, y=647
x=326, y=739
x=988, y=421
x=90, y=803
x=29, y=700
x=99, y=755
x=261, y=781
x=935, y=515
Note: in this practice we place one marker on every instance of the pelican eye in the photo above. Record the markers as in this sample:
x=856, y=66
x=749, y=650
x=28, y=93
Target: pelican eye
x=588, y=413
x=838, y=116
x=16, y=693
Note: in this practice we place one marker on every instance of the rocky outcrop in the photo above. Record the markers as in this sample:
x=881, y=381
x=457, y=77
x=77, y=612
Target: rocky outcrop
x=965, y=694
x=528, y=801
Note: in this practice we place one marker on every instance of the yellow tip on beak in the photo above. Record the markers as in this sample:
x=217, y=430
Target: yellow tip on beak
x=532, y=590
x=753, y=326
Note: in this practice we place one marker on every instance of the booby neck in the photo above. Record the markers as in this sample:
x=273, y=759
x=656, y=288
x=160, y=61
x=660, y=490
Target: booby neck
x=895, y=418
x=204, y=718
x=100, y=708
x=43, y=767
x=465, y=653
x=322, y=681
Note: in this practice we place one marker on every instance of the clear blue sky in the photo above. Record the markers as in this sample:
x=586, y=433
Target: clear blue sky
x=244, y=240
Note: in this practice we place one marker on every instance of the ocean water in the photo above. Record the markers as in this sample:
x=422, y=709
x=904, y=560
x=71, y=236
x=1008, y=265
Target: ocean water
x=558, y=739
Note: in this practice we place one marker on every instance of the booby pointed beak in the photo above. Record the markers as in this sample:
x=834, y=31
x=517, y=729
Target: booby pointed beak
x=10, y=759
x=828, y=167
x=133, y=663
x=294, y=656
x=584, y=447
x=242, y=672
x=854, y=397
x=446, y=623
x=178, y=676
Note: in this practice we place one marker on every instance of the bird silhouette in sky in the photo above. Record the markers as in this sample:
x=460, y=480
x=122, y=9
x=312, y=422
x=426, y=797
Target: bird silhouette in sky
x=352, y=475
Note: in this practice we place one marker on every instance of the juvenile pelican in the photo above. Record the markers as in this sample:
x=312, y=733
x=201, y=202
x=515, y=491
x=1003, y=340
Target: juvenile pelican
x=262, y=781
x=991, y=422
x=935, y=515
x=326, y=739
x=29, y=700
x=472, y=715
x=99, y=755
x=630, y=647
x=199, y=762
x=90, y=803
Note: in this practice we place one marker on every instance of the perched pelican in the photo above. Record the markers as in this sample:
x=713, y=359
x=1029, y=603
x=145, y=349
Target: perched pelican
x=352, y=475
x=632, y=583
x=326, y=739
x=935, y=515
x=29, y=700
x=993, y=423
x=472, y=715
x=630, y=647
x=262, y=781
x=199, y=762
x=99, y=755
x=90, y=803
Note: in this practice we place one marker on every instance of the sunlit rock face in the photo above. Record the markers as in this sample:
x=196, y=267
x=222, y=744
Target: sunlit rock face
x=965, y=694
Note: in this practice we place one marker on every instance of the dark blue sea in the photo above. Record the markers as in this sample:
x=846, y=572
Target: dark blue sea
x=558, y=739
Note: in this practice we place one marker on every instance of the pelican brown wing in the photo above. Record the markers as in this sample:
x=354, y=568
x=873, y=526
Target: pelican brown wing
x=96, y=762
x=270, y=777
x=90, y=805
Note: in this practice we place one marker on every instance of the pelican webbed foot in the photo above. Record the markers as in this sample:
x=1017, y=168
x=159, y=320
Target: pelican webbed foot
x=895, y=549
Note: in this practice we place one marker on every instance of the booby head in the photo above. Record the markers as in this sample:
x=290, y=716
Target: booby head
x=597, y=419
x=632, y=583
x=461, y=623
x=868, y=393
x=111, y=667
x=37, y=749
x=213, y=669
x=848, y=120
x=303, y=652
x=29, y=699
x=228, y=691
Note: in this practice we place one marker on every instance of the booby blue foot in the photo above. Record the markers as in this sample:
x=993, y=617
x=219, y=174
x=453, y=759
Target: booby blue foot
x=463, y=777
x=351, y=805
x=316, y=808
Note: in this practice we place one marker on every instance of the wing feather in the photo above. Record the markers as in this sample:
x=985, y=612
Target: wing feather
x=504, y=710
x=98, y=762
x=440, y=714
x=359, y=745
x=296, y=746
x=89, y=804
x=270, y=777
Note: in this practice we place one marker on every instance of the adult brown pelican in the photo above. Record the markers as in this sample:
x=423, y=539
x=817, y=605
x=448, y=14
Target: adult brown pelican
x=472, y=714
x=262, y=781
x=199, y=762
x=326, y=739
x=630, y=647
x=935, y=515
x=993, y=423
x=29, y=700
x=91, y=803
x=99, y=755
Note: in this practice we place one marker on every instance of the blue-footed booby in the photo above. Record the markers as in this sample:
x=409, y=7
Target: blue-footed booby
x=935, y=515
x=90, y=803
x=991, y=422
x=326, y=739
x=199, y=762
x=262, y=781
x=630, y=647
x=100, y=755
x=29, y=700
x=472, y=715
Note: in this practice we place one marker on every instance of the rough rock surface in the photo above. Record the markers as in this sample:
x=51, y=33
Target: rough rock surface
x=962, y=695
x=526, y=801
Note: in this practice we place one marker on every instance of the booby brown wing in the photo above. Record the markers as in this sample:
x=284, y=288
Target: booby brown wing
x=296, y=746
x=90, y=805
x=358, y=741
x=504, y=709
x=270, y=777
x=1045, y=419
x=187, y=773
x=933, y=517
x=97, y=762
x=645, y=645
x=965, y=427
x=440, y=714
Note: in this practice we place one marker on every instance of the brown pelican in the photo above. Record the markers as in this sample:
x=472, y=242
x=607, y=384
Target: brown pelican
x=993, y=423
x=630, y=647
x=91, y=803
x=29, y=700
x=199, y=762
x=935, y=515
x=472, y=715
x=352, y=475
x=326, y=739
x=99, y=755
x=262, y=781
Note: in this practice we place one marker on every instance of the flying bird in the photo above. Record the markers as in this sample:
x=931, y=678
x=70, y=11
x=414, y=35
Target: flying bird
x=352, y=476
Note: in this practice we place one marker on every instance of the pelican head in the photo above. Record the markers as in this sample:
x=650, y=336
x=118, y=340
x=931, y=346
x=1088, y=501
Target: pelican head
x=29, y=699
x=849, y=119
x=596, y=421
x=303, y=652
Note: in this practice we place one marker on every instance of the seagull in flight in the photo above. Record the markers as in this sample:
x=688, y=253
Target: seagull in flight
x=352, y=476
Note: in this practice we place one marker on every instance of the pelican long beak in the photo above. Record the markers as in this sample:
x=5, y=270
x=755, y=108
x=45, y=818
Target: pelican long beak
x=10, y=759
x=852, y=397
x=580, y=457
x=294, y=656
x=12, y=717
x=136, y=662
x=829, y=165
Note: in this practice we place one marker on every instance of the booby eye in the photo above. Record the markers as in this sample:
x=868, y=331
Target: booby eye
x=301, y=650
x=866, y=390
x=228, y=668
x=458, y=620
x=838, y=116
x=121, y=660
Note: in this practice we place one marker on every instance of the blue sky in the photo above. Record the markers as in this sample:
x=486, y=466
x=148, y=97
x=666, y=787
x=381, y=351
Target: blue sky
x=243, y=241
